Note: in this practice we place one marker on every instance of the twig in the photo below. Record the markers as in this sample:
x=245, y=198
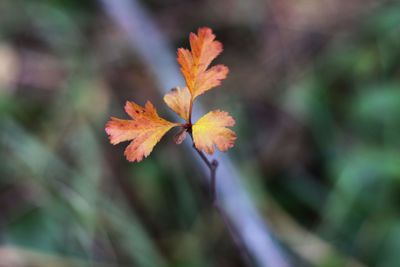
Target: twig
x=213, y=166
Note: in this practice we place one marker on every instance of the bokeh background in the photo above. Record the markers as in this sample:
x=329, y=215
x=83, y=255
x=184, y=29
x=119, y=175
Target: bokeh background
x=314, y=87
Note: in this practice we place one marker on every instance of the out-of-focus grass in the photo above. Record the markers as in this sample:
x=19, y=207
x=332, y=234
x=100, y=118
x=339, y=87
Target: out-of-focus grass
x=350, y=102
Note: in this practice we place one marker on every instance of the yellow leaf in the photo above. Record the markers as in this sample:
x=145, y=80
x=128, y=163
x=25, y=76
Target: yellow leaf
x=145, y=130
x=194, y=63
x=211, y=130
x=178, y=99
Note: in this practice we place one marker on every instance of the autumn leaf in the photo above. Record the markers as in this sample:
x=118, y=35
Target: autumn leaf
x=194, y=63
x=178, y=99
x=145, y=130
x=211, y=130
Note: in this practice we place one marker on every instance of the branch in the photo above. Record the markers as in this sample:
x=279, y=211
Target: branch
x=213, y=166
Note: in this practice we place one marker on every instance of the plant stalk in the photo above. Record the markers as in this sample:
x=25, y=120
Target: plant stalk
x=213, y=166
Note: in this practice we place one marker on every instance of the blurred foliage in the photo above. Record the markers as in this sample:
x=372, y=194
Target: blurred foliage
x=318, y=112
x=350, y=101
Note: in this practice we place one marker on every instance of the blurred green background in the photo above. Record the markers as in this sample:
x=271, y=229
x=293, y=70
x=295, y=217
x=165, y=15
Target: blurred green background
x=314, y=87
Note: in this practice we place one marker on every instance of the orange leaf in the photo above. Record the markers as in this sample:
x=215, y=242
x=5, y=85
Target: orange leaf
x=211, y=78
x=145, y=130
x=194, y=63
x=211, y=130
x=178, y=99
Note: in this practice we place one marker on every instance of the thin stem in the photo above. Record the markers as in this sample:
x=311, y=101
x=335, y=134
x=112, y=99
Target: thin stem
x=212, y=166
x=190, y=111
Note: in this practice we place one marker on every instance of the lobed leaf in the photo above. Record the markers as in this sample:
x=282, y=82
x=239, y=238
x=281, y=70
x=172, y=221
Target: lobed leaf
x=145, y=130
x=194, y=63
x=211, y=130
x=178, y=99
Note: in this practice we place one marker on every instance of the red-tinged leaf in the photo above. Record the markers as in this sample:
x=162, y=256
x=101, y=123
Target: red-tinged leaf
x=120, y=130
x=204, y=48
x=194, y=63
x=145, y=130
x=211, y=78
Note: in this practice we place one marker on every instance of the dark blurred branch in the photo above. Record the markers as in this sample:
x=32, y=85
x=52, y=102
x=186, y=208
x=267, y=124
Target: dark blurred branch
x=234, y=200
